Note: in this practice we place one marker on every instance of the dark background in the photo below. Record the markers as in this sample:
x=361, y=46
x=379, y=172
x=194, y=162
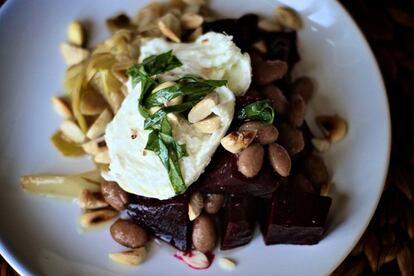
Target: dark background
x=387, y=247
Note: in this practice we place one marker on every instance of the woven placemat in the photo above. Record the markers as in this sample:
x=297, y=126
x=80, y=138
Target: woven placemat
x=387, y=247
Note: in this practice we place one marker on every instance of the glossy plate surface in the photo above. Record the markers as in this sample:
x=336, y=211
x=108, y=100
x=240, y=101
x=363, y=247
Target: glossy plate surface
x=40, y=236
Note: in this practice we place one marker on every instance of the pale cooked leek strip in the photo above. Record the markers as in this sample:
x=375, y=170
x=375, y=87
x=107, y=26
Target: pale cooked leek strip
x=69, y=186
x=66, y=148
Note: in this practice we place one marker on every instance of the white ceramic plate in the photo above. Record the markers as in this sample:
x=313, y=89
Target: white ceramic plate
x=40, y=236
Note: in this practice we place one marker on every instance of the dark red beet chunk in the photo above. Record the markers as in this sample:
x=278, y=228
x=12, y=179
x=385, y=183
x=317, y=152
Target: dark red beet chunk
x=295, y=217
x=238, y=222
x=166, y=219
x=223, y=177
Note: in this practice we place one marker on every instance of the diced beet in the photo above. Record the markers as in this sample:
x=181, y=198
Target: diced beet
x=238, y=221
x=166, y=219
x=295, y=217
x=223, y=177
x=282, y=46
x=243, y=30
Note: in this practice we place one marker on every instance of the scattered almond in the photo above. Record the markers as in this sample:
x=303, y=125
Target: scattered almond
x=129, y=257
x=333, y=127
x=96, y=146
x=73, y=54
x=194, y=35
x=97, y=218
x=191, y=21
x=288, y=18
x=91, y=200
x=208, y=125
x=169, y=26
x=195, y=206
x=102, y=158
x=320, y=144
x=194, y=259
x=267, y=25
x=92, y=103
x=237, y=141
x=62, y=108
x=260, y=46
x=226, y=263
x=76, y=34
x=72, y=131
x=99, y=126
x=203, y=108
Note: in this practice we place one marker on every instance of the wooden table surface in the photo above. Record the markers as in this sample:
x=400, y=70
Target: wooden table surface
x=387, y=247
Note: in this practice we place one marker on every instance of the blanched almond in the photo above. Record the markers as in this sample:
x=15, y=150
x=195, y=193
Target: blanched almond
x=97, y=218
x=288, y=17
x=99, y=126
x=129, y=257
x=208, y=125
x=73, y=54
x=194, y=35
x=237, y=141
x=194, y=259
x=62, y=108
x=267, y=25
x=92, y=103
x=191, y=20
x=72, y=131
x=91, y=200
x=321, y=145
x=163, y=86
x=333, y=127
x=226, y=263
x=94, y=147
x=102, y=158
x=169, y=26
x=195, y=206
x=260, y=46
x=203, y=108
x=76, y=34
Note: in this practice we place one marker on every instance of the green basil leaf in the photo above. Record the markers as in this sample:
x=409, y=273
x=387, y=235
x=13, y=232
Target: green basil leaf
x=260, y=110
x=161, y=63
x=194, y=78
x=175, y=176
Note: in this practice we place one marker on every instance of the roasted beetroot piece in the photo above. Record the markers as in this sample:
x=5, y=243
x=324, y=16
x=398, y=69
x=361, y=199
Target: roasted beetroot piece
x=295, y=217
x=166, y=219
x=282, y=46
x=243, y=30
x=223, y=177
x=238, y=221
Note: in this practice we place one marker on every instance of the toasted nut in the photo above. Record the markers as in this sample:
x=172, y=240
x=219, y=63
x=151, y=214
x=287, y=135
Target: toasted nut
x=267, y=25
x=203, y=108
x=73, y=54
x=129, y=257
x=76, y=34
x=237, y=141
x=297, y=110
x=102, y=158
x=72, y=131
x=251, y=160
x=208, y=125
x=92, y=103
x=333, y=127
x=99, y=126
x=260, y=46
x=213, y=203
x=169, y=26
x=280, y=159
x=304, y=87
x=195, y=206
x=91, y=200
x=315, y=169
x=204, y=234
x=128, y=233
x=279, y=101
x=291, y=139
x=321, y=145
x=288, y=17
x=326, y=188
x=268, y=71
x=266, y=133
x=96, y=146
x=114, y=195
x=62, y=108
x=226, y=263
x=194, y=35
x=97, y=218
x=176, y=100
x=194, y=259
x=191, y=21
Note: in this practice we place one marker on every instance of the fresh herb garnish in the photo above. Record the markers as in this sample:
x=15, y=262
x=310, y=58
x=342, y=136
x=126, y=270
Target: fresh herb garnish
x=192, y=88
x=260, y=110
